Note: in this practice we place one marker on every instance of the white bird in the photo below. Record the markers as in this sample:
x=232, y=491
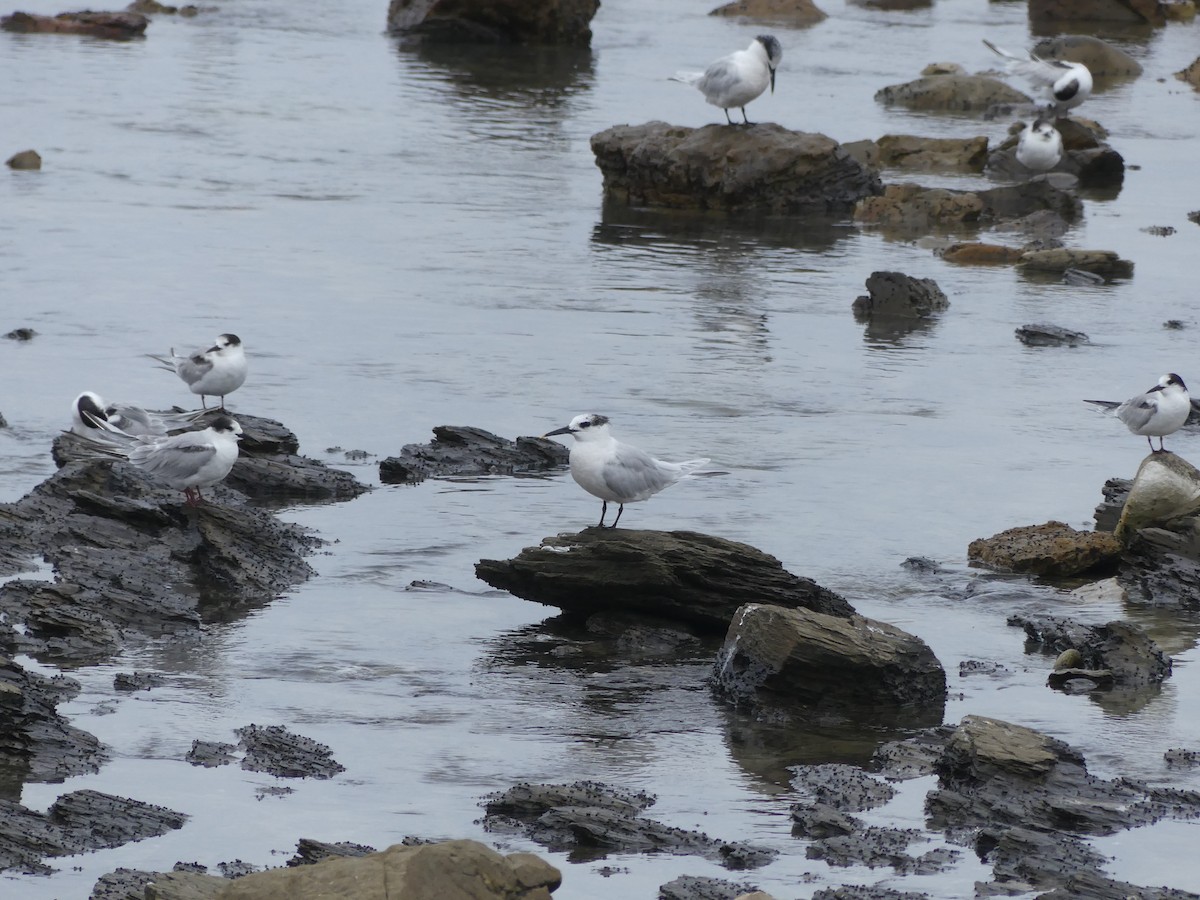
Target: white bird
x=1160, y=411
x=1040, y=146
x=133, y=420
x=617, y=472
x=734, y=80
x=1068, y=83
x=187, y=462
x=212, y=372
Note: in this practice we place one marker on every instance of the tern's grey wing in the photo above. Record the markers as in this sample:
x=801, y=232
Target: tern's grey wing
x=192, y=368
x=174, y=459
x=633, y=474
x=1038, y=71
x=1136, y=413
x=719, y=78
x=134, y=420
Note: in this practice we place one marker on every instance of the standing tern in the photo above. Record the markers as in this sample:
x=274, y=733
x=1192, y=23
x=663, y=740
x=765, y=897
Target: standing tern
x=89, y=408
x=1068, y=83
x=212, y=372
x=617, y=472
x=1160, y=411
x=734, y=80
x=187, y=462
x=1040, y=146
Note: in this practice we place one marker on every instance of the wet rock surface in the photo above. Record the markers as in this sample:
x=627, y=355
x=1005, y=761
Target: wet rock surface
x=1044, y=335
x=493, y=21
x=951, y=93
x=894, y=294
x=590, y=820
x=678, y=575
x=793, y=13
x=119, y=26
x=275, y=750
x=1121, y=649
x=910, y=209
x=1054, y=548
x=696, y=887
x=462, y=450
x=906, y=151
x=760, y=167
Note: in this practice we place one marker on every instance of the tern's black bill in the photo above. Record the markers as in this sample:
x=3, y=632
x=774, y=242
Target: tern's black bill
x=772, y=81
x=566, y=429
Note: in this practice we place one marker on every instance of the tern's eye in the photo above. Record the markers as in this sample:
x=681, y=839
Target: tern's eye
x=585, y=424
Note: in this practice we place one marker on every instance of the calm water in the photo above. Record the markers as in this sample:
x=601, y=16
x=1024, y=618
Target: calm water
x=406, y=238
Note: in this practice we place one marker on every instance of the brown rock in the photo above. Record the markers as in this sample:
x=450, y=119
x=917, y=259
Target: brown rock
x=1103, y=60
x=1051, y=549
x=951, y=93
x=796, y=13
x=913, y=208
x=1078, y=12
x=724, y=167
x=110, y=25
x=26, y=159
x=1058, y=260
x=980, y=254
x=495, y=21
x=907, y=151
x=1191, y=74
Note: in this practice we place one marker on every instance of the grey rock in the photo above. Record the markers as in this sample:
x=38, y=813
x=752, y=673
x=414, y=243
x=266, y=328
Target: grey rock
x=1044, y=335
x=275, y=750
x=894, y=294
x=211, y=753
x=1105, y=61
x=493, y=21
x=696, y=887
x=1119, y=647
x=951, y=93
x=846, y=788
x=137, y=681
x=677, y=575
x=819, y=820
x=762, y=167
x=309, y=851
x=463, y=450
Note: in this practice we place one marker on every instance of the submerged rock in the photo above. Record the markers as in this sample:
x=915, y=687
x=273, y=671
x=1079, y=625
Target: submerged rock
x=762, y=167
x=1104, y=60
x=680, y=575
x=913, y=209
x=951, y=93
x=29, y=160
x=1122, y=649
x=495, y=21
x=120, y=26
x=906, y=151
x=974, y=253
x=1054, y=548
x=462, y=450
x=1042, y=335
x=894, y=294
x=800, y=658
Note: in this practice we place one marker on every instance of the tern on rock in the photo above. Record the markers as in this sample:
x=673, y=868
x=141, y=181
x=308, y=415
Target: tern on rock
x=734, y=80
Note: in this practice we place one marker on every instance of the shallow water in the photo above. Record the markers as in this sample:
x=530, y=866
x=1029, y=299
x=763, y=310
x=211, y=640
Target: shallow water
x=405, y=238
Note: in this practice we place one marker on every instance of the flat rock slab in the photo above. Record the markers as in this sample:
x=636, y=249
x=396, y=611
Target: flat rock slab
x=275, y=750
x=463, y=450
x=681, y=575
x=120, y=26
x=762, y=167
x=1106, y=263
x=1043, y=335
x=951, y=93
x=1054, y=548
x=907, y=151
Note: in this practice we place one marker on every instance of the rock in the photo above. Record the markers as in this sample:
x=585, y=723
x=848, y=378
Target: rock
x=906, y=151
x=1191, y=75
x=761, y=167
x=913, y=209
x=875, y=846
x=944, y=68
x=1078, y=12
x=792, y=13
x=1013, y=201
x=1166, y=487
x=495, y=21
x=842, y=787
x=1105, y=263
x=1161, y=568
x=137, y=681
x=679, y=575
x=1122, y=649
x=951, y=93
x=153, y=7
x=211, y=754
x=696, y=887
x=895, y=294
x=1104, y=61
x=448, y=870
x=275, y=750
x=595, y=818
x=1043, y=227
x=979, y=254
x=819, y=820
x=1052, y=549
x=462, y=450
x=21, y=334
x=780, y=657
x=310, y=852
x=866, y=892
x=26, y=159
x=120, y=26
x=1043, y=335
x=1181, y=757
x=913, y=757
x=1092, y=163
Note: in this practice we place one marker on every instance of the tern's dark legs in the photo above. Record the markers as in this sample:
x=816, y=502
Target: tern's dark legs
x=745, y=118
x=727, y=119
x=620, y=510
x=603, y=512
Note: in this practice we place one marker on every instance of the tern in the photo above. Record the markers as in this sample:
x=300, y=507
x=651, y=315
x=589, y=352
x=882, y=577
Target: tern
x=1160, y=411
x=212, y=372
x=1040, y=146
x=616, y=472
x=1068, y=83
x=734, y=80
x=133, y=420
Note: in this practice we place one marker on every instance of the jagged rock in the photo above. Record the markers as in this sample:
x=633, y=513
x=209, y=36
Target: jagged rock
x=819, y=820
x=842, y=787
x=906, y=151
x=912, y=757
x=211, y=753
x=1104, y=60
x=1078, y=12
x=448, y=870
x=495, y=21
x=310, y=852
x=275, y=750
x=876, y=846
x=1123, y=649
x=697, y=887
x=137, y=681
x=792, y=13
x=761, y=167
x=462, y=450
x=1166, y=487
x=26, y=159
x=809, y=660
x=680, y=575
x=1054, y=548
x=592, y=815
x=1191, y=75
x=1161, y=567
x=951, y=93
x=979, y=254
x=911, y=208
x=118, y=26
x=1043, y=335
x=866, y=892
x=898, y=295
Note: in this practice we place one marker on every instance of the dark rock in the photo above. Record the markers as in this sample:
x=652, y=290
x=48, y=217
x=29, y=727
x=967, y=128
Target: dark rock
x=1043, y=335
x=1180, y=757
x=126, y=884
x=462, y=450
x=861, y=667
x=27, y=160
x=275, y=750
x=21, y=334
x=866, y=892
x=495, y=21
x=309, y=851
x=211, y=753
x=696, y=887
x=761, y=167
x=915, y=756
x=1161, y=568
x=1012, y=201
x=1054, y=548
x=1076, y=12
x=897, y=294
x=846, y=788
x=111, y=25
x=875, y=846
x=913, y=209
x=819, y=820
x=137, y=681
x=1159, y=230
x=236, y=868
x=1096, y=886
x=679, y=575
x=1119, y=647
x=792, y=13
x=592, y=819
x=906, y=151
x=951, y=93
